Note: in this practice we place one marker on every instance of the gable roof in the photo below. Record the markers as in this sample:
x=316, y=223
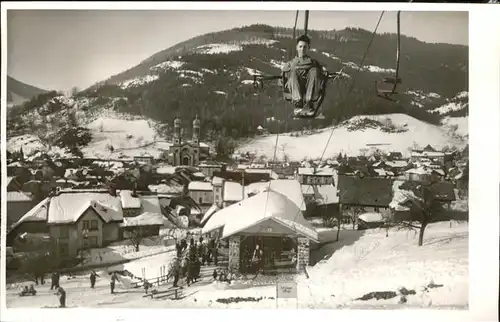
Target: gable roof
x=36, y=214
x=367, y=191
x=256, y=209
x=68, y=207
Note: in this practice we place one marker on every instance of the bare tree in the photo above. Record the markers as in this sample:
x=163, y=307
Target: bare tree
x=137, y=235
x=423, y=207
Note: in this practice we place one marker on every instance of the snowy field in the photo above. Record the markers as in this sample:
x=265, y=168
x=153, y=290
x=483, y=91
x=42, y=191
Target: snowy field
x=362, y=262
x=352, y=142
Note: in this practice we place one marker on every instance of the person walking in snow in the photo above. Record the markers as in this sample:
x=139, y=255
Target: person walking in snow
x=190, y=272
x=176, y=271
x=54, y=281
x=112, y=282
x=61, y=293
x=93, y=276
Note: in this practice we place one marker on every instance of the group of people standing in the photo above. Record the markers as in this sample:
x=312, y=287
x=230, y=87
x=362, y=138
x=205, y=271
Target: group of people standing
x=191, y=257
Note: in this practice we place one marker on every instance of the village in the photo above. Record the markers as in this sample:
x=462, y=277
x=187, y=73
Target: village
x=72, y=211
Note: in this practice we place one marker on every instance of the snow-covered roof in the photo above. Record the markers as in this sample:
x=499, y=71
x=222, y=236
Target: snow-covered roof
x=199, y=174
x=324, y=194
x=397, y=163
x=439, y=171
x=429, y=154
x=242, y=166
x=289, y=188
x=200, y=186
x=165, y=188
x=36, y=214
x=371, y=217
x=145, y=219
x=15, y=164
x=67, y=207
x=165, y=170
x=233, y=191
x=129, y=201
x=419, y=170
x=319, y=171
x=217, y=181
x=212, y=210
x=272, y=174
x=18, y=196
x=258, y=208
x=150, y=204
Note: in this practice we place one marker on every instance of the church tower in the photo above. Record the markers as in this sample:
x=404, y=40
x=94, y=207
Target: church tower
x=177, y=131
x=196, y=130
x=196, y=140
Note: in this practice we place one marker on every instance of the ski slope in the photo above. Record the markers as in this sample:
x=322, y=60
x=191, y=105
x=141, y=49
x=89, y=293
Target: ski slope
x=343, y=140
x=362, y=262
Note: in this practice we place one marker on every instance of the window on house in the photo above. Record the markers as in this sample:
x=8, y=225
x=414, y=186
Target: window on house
x=200, y=200
x=86, y=225
x=93, y=224
x=93, y=241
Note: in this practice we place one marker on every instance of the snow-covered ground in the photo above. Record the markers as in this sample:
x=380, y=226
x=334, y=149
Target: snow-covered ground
x=125, y=250
x=351, y=142
x=362, y=262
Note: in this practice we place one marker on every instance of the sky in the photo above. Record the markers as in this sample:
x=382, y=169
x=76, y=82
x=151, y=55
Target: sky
x=60, y=49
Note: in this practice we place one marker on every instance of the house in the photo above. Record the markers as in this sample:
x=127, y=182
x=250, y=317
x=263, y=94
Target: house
x=218, y=186
x=270, y=220
x=430, y=153
x=18, y=202
x=391, y=156
x=244, y=177
x=441, y=192
x=81, y=219
x=425, y=174
x=371, y=194
x=209, y=167
x=142, y=213
x=316, y=176
x=396, y=166
x=201, y=192
x=147, y=159
x=34, y=222
x=263, y=171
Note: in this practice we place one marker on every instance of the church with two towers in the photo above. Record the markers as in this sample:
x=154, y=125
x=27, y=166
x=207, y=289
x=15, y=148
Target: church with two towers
x=187, y=152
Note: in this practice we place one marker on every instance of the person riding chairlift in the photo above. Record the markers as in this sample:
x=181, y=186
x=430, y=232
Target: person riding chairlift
x=305, y=78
